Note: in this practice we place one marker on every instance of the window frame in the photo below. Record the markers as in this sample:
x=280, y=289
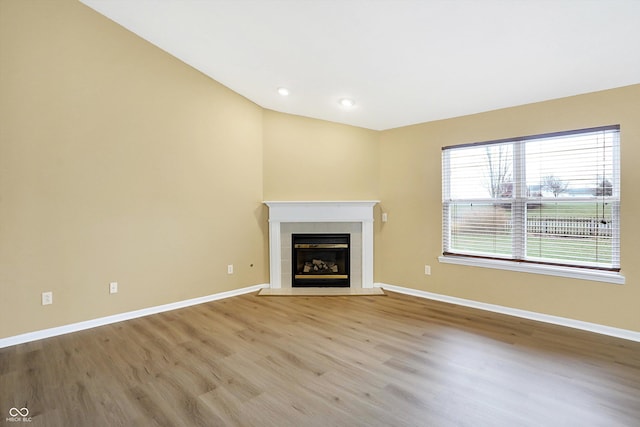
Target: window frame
x=519, y=202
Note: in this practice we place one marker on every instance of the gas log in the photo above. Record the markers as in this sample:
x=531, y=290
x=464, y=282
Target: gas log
x=318, y=266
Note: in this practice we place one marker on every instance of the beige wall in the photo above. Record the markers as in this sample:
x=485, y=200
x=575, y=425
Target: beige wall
x=117, y=163
x=410, y=190
x=120, y=163
x=308, y=159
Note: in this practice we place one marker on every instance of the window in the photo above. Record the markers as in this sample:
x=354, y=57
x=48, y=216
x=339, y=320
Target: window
x=550, y=199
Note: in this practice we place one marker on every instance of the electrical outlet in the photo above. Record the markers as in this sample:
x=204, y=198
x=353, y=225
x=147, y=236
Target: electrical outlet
x=47, y=298
x=230, y=269
x=427, y=270
x=113, y=287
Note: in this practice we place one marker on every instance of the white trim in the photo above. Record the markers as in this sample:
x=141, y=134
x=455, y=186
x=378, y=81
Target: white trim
x=275, y=255
x=367, y=254
x=531, y=315
x=321, y=211
x=550, y=270
x=88, y=324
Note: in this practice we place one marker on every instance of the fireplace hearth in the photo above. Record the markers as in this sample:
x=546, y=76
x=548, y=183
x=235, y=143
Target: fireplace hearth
x=320, y=260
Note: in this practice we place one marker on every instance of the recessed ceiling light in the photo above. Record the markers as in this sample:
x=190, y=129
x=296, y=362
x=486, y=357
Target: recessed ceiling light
x=347, y=102
x=283, y=91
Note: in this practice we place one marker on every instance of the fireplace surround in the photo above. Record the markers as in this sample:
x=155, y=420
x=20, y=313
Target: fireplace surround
x=308, y=217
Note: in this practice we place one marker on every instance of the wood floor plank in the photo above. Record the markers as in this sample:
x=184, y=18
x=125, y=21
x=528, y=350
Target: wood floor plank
x=325, y=361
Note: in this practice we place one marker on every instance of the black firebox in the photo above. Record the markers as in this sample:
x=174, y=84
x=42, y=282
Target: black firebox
x=320, y=260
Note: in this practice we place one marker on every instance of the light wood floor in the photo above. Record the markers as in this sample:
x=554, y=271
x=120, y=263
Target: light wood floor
x=324, y=361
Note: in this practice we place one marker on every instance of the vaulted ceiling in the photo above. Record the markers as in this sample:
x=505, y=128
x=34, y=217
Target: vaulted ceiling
x=401, y=61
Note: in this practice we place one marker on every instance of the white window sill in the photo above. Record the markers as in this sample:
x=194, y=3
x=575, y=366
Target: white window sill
x=550, y=270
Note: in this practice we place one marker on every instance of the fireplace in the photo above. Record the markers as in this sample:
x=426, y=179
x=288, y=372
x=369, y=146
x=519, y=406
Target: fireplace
x=354, y=217
x=320, y=260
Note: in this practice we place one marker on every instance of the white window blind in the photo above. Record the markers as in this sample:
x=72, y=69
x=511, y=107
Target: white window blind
x=548, y=199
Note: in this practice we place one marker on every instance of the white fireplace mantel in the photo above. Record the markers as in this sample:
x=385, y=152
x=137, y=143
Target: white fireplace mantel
x=358, y=211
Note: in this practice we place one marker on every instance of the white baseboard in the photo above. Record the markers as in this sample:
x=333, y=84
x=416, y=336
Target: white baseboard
x=556, y=320
x=74, y=327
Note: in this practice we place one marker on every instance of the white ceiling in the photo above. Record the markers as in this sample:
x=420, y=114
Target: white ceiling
x=402, y=61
